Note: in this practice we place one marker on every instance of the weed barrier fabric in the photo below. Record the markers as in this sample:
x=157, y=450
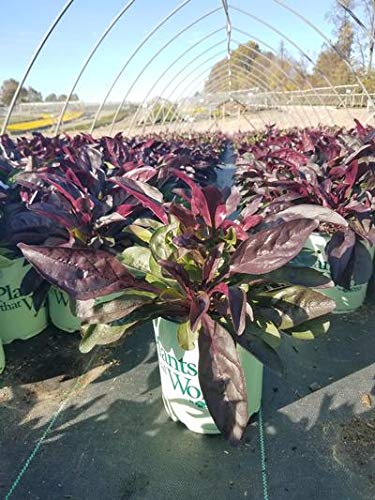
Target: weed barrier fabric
x=117, y=425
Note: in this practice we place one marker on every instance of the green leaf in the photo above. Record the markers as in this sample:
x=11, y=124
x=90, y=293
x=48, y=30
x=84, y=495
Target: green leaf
x=112, y=310
x=156, y=277
x=140, y=232
x=310, y=329
x=160, y=248
x=137, y=260
x=148, y=311
x=186, y=337
x=265, y=330
x=230, y=236
x=101, y=334
x=148, y=223
x=291, y=306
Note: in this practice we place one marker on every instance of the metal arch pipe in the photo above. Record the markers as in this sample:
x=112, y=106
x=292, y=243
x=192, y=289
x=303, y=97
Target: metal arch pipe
x=328, y=41
x=299, y=72
x=261, y=41
x=187, y=65
x=165, y=88
x=178, y=74
x=247, y=58
x=282, y=71
x=34, y=57
x=157, y=53
x=218, y=81
x=131, y=57
x=221, y=78
x=305, y=55
x=279, y=67
x=244, y=33
x=88, y=59
x=198, y=77
x=135, y=116
x=256, y=80
x=356, y=19
x=369, y=34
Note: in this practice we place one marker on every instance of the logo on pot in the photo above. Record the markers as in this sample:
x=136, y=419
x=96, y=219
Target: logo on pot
x=11, y=299
x=61, y=297
x=182, y=375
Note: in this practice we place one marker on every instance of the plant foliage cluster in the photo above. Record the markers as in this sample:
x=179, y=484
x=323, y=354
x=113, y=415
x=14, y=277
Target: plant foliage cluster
x=282, y=172
x=140, y=224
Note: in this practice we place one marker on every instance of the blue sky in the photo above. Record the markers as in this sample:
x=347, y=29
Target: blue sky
x=23, y=24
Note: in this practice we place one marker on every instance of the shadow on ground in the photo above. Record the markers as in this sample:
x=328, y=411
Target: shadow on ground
x=113, y=440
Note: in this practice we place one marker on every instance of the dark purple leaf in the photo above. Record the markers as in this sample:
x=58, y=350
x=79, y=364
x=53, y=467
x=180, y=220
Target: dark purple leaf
x=362, y=265
x=82, y=273
x=340, y=251
x=222, y=380
x=198, y=307
x=272, y=248
x=237, y=305
x=133, y=187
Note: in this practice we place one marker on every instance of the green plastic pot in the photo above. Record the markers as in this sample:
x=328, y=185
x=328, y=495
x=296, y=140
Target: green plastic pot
x=60, y=312
x=181, y=391
x=346, y=300
x=18, y=318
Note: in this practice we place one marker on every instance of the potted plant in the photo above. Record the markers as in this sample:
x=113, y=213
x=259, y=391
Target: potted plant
x=68, y=182
x=21, y=317
x=322, y=170
x=221, y=297
x=86, y=208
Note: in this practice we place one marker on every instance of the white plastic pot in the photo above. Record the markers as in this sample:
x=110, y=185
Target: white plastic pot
x=181, y=391
x=60, y=313
x=18, y=318
x=346, y=300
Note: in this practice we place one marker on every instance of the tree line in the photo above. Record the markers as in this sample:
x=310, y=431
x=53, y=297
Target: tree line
x=28, y=94
x=352, y=48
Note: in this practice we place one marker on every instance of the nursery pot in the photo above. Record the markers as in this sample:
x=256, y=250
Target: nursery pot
x=181, y=391
x=60, y=312
x=18, y=318
x=60, y=309
x=346, y=300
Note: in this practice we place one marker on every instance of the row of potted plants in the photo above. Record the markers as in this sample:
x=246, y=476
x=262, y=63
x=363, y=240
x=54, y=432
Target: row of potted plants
x=220, y=293
x=65, y=191
x=281, y=172
x=221, y=275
